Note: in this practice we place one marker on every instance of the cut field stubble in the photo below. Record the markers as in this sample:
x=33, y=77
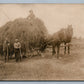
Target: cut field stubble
x=67, y=67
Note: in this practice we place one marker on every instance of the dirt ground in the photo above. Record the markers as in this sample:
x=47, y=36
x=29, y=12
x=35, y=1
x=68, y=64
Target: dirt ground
x=67, y=67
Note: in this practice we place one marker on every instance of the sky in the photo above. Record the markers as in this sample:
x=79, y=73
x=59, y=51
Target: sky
x=54, y=16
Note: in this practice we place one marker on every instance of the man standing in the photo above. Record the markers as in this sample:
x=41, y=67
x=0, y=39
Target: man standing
x=17, y=50
x=6, y=49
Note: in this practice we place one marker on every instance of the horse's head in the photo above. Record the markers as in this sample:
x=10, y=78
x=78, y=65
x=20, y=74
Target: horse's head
x=70, y=29
x=69, y=33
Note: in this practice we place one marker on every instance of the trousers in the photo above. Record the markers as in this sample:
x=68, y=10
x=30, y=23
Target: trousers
x=17, y=55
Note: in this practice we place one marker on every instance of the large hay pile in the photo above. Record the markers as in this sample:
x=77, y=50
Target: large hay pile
x=31, y=31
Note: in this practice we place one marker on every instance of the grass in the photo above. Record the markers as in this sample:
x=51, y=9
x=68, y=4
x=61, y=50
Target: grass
x=67, y=67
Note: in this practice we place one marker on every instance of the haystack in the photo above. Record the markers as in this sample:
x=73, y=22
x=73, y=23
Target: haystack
x=30, y=31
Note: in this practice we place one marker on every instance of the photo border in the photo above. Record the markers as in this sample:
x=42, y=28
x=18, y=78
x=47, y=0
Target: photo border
x=42, y=1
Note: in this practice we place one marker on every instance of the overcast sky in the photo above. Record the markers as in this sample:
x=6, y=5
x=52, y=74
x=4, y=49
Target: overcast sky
x=55, y=16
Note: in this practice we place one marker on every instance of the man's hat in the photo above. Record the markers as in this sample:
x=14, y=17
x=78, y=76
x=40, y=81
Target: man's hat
x=16, y=40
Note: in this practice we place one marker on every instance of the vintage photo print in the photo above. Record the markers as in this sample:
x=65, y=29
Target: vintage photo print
x=41, y=42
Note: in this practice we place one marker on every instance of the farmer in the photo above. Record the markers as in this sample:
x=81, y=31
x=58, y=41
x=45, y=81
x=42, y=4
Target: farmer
x=17, y=50
x=6, y=49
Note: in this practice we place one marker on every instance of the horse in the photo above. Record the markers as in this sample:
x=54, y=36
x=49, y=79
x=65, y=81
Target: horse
x=67, y=34
x=62, y=36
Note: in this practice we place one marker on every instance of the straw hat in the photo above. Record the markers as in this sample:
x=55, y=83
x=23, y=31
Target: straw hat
x=16, y=40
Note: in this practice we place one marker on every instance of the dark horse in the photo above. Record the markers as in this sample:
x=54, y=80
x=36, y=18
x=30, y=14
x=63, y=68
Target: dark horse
x=62, y=36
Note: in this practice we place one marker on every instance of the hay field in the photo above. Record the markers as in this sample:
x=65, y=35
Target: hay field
x=67, y=67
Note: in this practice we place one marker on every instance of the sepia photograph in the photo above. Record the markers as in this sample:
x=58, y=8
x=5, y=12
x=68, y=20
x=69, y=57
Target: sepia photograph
x=41, y=42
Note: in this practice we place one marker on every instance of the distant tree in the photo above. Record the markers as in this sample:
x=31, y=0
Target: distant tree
x=74, y=37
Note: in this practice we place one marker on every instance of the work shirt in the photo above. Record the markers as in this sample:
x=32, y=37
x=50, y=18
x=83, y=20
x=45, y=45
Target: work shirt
x=17, y=45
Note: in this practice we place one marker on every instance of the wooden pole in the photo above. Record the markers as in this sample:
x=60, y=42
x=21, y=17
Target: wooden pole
x=65, y=48
x=7, y=53
x=68, y=48
x=58, y=49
